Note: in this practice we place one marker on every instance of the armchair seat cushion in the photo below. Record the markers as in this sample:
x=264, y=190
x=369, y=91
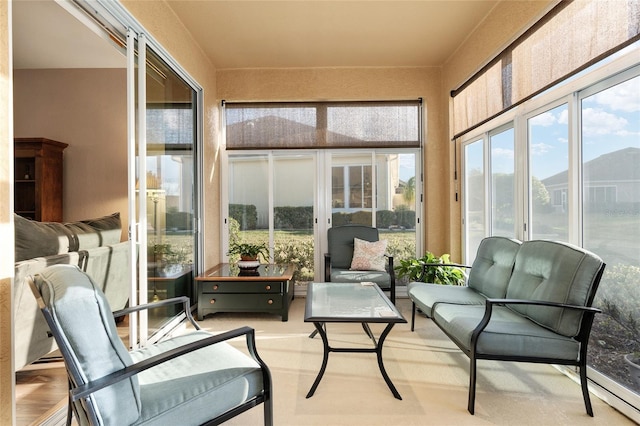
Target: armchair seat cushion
x=383, y=279
x=219, y=378
x=509, y=334
x=426, y=295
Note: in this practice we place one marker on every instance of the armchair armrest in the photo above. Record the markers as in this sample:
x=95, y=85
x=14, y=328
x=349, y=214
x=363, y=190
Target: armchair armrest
x=589, y=311
x=87, y=389
x=167, y=302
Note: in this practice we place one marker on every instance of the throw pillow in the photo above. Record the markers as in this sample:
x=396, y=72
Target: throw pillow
x=368, y=256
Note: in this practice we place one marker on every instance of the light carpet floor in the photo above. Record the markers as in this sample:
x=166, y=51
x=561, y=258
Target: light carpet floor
x=430, y=373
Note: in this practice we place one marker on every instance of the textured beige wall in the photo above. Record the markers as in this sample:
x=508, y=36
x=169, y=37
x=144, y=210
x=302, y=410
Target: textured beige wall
x=164, y=27
x=506, y=21
x=7, y=378
x=87, y=109
x=364, y=84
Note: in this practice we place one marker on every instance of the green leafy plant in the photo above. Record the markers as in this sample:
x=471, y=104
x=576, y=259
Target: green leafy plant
x=248, y=251
x=434, y=267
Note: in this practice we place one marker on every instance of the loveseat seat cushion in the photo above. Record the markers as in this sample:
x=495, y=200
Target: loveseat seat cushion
x=554, y=272
x=169, y=396
x=507, y=334
x=426, y=295
x=493, y=265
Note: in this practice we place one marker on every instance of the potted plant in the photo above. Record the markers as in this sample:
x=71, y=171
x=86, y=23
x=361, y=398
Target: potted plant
x=248, y=251
x=431, y=269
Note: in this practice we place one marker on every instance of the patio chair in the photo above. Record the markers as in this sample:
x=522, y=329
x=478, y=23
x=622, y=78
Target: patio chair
x=341, y=266
x=189, y=379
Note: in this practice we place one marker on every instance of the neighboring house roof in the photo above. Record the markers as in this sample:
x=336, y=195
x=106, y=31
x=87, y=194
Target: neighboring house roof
x=621, y=165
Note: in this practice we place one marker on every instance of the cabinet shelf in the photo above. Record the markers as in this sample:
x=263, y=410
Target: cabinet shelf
x=38, y=197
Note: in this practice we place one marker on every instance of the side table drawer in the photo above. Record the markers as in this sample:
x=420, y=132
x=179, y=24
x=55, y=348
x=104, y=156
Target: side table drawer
x=241, y=301
x=240, y=287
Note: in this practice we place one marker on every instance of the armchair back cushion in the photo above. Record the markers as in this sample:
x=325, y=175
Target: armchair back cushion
x=492, y=267
x=554, y=272
x=341, y=240
x=90, y=335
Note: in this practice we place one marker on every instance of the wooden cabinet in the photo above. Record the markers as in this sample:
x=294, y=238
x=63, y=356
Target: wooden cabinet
x=225, y=289
x=38, y=178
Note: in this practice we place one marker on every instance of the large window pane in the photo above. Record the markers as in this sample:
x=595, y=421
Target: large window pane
x=474, y=194
x=611, y=212
x=249, y=199
x=549, y=174
x=294, y=181
x=502, y=184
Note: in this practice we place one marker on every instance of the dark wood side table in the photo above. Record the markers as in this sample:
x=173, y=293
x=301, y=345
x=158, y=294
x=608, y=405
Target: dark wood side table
x=227, y=288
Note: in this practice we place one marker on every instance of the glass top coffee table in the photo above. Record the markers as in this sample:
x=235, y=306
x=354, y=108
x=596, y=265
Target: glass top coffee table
x=361, y=303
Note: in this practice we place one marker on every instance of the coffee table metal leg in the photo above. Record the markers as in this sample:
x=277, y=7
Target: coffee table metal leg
x=325, y=344
x=381, y=365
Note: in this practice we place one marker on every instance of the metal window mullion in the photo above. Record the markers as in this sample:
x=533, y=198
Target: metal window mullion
x=134, y=227
x=142, y=183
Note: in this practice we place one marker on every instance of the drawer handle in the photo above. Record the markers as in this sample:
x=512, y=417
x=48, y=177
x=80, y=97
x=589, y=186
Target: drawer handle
x=268, y=287
x=270, y=301
x=212, y=301
x=215, y=287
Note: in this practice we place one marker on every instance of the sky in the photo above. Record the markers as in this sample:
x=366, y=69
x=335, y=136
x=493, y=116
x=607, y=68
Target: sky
x=610, y=121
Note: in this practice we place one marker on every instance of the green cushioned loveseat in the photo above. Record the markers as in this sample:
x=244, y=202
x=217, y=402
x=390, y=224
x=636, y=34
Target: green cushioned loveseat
x=94, y=245
x=528, y=302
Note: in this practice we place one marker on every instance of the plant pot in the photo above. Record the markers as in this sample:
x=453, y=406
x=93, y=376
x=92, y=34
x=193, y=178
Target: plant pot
x=247, y=263
x=634, y=368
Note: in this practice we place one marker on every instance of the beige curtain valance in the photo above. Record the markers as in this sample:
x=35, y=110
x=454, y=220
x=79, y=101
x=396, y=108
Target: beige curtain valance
x=297, y=125
x=571, y=37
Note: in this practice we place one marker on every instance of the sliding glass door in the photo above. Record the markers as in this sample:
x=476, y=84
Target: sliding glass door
x=169, y=160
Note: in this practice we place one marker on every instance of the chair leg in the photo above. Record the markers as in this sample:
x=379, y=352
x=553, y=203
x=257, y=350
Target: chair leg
x=413, y=315
x=585, y=390
x=472, y=385
x=268, y=412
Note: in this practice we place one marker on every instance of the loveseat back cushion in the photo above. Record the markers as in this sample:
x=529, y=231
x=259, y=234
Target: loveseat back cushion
x=108, y=267
x=98, y=232
x=554, y=272
x=39, y=239
x=340, y=240
x=87, y=329
x=493, y=265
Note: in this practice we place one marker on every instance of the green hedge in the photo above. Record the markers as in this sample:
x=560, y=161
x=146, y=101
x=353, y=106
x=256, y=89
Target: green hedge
x=293, y=217
x=245, y=214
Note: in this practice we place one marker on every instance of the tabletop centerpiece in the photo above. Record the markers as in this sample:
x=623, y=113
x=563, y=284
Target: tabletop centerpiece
x=249, y=254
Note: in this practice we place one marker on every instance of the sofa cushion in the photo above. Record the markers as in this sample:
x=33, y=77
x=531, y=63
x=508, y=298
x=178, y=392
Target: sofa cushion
x=554, y=272
x=507, y=334
x=426, y=295
x=38, y=239
x=168, y=394
x=98, y=232
x=492, y=267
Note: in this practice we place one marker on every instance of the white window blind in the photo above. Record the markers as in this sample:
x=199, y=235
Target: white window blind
x=297, y=125
x=571, y=37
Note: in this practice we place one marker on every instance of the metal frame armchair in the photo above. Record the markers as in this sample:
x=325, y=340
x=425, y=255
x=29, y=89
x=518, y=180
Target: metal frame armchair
x=340, y=253
x=189, y=379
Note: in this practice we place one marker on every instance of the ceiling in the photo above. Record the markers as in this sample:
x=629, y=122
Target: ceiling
x=268, y=34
